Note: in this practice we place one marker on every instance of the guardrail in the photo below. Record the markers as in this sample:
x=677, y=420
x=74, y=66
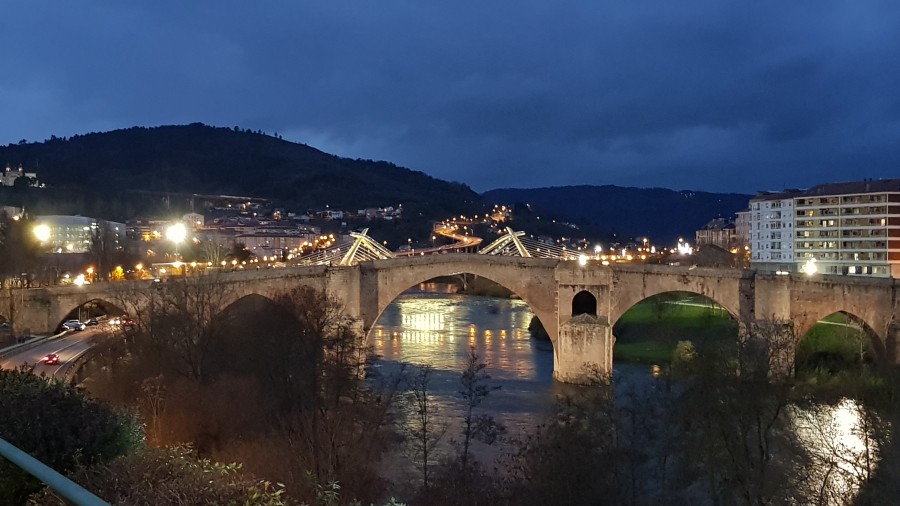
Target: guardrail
x=27, y=345
x=59, y=483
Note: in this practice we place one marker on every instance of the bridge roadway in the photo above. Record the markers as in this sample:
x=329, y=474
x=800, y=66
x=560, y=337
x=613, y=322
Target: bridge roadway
x=578, y=305
x=69, y=347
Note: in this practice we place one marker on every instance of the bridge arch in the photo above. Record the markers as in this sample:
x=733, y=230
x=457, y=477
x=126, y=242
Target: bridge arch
x=852, y=334
x=535, y=286
x=635, y=285
x=666, y=298
x=649, y=330
x=804, y=321
x=90, y=309
x=584, y=302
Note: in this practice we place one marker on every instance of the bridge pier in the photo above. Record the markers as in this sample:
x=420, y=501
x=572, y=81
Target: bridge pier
x=891, y=340
x=583, y=352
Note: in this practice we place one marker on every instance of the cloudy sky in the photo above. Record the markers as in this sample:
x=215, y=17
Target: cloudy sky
x=705, y=95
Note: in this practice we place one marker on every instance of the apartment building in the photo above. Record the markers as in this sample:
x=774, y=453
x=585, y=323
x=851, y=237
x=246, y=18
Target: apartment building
x=848, y=228
x=771, y=231
x=719, y=232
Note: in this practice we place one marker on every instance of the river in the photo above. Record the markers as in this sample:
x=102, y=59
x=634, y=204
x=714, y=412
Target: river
x=431, y=324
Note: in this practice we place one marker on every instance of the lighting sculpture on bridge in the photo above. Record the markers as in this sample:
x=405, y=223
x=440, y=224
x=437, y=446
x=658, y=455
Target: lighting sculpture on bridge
x=516, y=244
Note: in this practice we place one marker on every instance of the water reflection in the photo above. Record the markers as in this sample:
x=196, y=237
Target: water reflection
x=838, y=439
x=439, y=329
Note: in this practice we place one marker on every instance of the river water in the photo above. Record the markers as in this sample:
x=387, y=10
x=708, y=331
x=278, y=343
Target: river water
x=431, y=324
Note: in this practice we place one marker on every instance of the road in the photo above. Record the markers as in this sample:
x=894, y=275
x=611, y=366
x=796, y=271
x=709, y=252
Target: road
x=69, y=347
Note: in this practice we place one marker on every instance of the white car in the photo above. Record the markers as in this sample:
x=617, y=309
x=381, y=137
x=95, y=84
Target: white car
x=73, y=325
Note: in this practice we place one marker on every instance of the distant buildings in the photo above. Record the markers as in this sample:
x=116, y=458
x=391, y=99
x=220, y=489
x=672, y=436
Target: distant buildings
x=9, y=177
x=835, y=228
x=718, y=232
x=75, y=234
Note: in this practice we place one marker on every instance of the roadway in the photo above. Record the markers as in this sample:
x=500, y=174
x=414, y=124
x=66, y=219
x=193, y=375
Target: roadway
x=462, y=242
x=69, y=347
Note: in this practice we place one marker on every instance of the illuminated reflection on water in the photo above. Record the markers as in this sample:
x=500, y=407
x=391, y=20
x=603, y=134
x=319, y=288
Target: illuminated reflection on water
x=839, y=440
x=439, y=328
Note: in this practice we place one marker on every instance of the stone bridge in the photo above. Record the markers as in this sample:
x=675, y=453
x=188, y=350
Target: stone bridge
x=558, y=292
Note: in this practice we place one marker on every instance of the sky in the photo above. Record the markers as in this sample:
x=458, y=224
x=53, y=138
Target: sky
x=702, y=95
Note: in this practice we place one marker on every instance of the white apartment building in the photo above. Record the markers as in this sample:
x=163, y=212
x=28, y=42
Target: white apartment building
x=771, y=231
x=847, y=228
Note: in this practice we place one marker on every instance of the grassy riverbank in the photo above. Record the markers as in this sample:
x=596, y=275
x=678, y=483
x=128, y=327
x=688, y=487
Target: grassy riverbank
x=648, y=332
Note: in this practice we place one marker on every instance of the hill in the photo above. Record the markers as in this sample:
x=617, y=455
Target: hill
x=197, y=158
x=97, y=173
x=662, y=214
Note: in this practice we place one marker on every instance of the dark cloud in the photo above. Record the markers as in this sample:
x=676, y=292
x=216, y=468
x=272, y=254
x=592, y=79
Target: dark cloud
x=694, y=94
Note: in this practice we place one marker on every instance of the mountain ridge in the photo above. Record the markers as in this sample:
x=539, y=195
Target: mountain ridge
x=198, y=158
x=628, y=212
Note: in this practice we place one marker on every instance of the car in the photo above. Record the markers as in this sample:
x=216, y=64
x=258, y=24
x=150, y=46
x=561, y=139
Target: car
x=73, y=325
x=50, y=359
x=92, y=322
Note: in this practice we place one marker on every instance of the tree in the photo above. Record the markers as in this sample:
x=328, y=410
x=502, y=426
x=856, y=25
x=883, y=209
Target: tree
x=107, y=249
x=425, y=431
x=336, y=426
x=474, y=391
x=214, y=250
x=461, y=480
x=58, y=425
x=743, y=448
x=174, y=476
x=18, y=258
x=184, y=321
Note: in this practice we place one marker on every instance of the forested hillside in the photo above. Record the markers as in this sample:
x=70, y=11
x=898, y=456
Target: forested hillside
x=197, y=158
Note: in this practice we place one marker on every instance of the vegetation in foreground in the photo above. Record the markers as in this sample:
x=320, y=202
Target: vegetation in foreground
x=285, y=397
x=60, y=426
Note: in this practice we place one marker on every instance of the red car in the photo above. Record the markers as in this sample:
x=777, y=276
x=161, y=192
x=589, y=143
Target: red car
x=51, y=359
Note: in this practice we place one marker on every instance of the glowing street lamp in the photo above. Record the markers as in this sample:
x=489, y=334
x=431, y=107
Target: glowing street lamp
x=42, y=232
x=810, y=267
x=176, y=233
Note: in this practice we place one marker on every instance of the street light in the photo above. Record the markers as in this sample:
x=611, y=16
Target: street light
x=176, y=233
x=42, y=232
x=810, y=267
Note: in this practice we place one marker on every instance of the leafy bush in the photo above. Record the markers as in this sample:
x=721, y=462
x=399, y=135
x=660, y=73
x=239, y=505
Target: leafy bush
x=59, y=425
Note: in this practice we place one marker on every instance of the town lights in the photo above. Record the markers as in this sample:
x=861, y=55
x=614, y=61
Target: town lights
x=176, y=233
x=582, y=260
x=810, y=267
x=42, y=232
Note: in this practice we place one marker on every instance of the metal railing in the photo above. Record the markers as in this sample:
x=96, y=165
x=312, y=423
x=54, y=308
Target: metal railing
x=63, y=486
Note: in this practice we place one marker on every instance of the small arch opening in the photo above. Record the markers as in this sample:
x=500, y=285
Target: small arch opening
x=584, y=302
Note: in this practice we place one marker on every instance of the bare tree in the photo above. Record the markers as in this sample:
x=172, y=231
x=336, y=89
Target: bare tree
x=737, y=436
x=474, y=391
x=214, y=249
x=184, y=320
x=108, y=250
x=336, y=425
x=426, y=430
